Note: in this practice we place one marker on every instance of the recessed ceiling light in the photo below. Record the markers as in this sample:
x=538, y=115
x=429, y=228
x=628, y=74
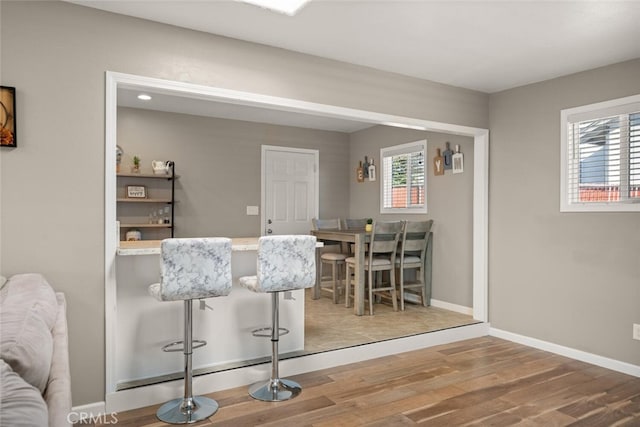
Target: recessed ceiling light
x=144, y=97
x=288, y=7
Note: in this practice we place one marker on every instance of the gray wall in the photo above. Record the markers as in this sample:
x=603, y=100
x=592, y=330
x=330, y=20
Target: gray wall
x=219, y=163
x=568, y=278
x=219, y=166
x=449, y=204
x=52, y=197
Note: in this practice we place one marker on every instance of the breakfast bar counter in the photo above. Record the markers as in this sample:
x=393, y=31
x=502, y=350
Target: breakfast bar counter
x=152, y=247
x=144, y=325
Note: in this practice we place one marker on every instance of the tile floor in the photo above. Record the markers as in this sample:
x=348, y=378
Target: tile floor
x=330, y=326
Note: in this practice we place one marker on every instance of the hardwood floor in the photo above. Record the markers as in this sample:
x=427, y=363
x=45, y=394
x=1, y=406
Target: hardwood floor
x=481, y=382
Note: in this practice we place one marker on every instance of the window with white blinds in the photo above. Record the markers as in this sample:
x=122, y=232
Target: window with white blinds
x=601, y=156
x=403, y=183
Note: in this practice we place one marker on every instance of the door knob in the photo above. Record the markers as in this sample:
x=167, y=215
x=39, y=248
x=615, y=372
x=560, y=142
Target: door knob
x=269, y=231
x=269, y=221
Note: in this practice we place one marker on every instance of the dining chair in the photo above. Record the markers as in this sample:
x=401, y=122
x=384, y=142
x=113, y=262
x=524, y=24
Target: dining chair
x=381, y=257
x=354, y=224
x=335, y=259
x=351, y=223
x=413, y=249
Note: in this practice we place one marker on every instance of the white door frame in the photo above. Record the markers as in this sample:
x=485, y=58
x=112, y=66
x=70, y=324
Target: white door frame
x=263, y=179
x=114, y=80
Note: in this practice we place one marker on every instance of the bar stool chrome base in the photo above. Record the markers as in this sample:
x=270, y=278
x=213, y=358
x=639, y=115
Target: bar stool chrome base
x=187, y=411
x=276, y=390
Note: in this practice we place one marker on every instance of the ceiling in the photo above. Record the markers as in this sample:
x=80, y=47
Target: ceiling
x=175, y=103
x=488, y=46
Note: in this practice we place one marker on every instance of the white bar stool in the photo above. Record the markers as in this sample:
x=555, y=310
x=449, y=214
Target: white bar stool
x=285, y=263
x=191, y=269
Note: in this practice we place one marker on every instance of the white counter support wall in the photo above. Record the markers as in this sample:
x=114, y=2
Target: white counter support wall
x=144, y=324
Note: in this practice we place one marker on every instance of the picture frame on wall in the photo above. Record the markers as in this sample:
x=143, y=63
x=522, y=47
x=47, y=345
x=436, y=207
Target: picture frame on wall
x=8, y=136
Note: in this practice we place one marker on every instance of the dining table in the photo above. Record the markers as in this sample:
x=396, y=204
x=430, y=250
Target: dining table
x=359, y=238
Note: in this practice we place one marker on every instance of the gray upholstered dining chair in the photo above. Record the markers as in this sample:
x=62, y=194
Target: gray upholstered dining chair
x=413, y=250
x=334, y=259
x=285, y=263
x=380, y=257
x=191, y=269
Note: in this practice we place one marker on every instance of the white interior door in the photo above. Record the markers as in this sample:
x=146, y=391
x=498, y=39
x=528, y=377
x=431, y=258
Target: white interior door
x=289, y=189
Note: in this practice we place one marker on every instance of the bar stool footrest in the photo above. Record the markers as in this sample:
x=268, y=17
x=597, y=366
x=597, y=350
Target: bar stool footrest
x=169, y=348
x=262, y=332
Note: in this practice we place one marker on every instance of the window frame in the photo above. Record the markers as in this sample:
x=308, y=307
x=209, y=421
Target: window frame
x=566, y=205
x=394, y=151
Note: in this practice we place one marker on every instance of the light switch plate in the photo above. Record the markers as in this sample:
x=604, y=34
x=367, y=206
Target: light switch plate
x=253, y=210
x=636, y=331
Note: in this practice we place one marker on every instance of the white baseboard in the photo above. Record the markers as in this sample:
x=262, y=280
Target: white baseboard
x=125, y=400
x=91, y=411
x=594, y=359
x=452, y=307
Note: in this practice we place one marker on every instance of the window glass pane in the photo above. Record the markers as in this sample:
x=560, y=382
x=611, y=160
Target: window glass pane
x=418, y=190
x=599, y=154
x=399, y=181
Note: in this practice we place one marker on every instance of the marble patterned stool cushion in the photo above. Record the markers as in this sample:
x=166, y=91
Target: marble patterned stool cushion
x=284, y=263
x=193, y=268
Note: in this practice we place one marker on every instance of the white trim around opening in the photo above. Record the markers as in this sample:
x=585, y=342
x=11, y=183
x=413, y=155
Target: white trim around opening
x=115, y=80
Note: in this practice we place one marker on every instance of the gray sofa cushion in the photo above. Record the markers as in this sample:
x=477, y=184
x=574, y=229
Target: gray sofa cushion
x=21, y=403
x=29, y=311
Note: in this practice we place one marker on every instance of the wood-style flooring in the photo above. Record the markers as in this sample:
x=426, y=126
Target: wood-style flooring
x=480, y=382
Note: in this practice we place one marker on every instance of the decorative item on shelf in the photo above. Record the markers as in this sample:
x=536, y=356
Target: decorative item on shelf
x=372, y=171
x=119, y=153
x=161, y=167
x=133, y=235
x=438, y=163
x=8, y=136
x=369, y=225
x=136, y=165
x=458, y=160
x=360, y=173
x=136, y=192
x=446, y=154
x=365, y=168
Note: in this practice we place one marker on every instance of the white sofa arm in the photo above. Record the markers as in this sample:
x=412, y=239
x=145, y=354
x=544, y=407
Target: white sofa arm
x=58, y=392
